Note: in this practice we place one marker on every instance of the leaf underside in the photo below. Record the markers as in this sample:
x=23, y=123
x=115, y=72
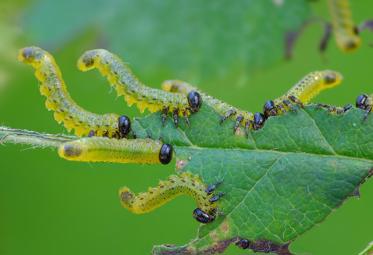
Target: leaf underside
x=278, y=182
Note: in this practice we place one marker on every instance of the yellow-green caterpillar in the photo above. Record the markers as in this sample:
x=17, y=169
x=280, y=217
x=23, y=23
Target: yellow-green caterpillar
x=103, y=149
x=311, y=85
x=176, y=185
x=134, y=92
x=342, y=26
x=53, y=87
x=302, y=92
x=345, y=30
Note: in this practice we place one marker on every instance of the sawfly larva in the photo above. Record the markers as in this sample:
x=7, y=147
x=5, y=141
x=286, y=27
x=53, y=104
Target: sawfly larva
x=134, y=92
x=303, y=91
x=53, y=87
x=345, y=30
x=103, y=149
x=176, y=185
x=342, y=26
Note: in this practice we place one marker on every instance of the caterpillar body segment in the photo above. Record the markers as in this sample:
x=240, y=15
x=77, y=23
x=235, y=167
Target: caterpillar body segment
x=174, y=186
x=345, y=30
x=58, y=100
x=103, y=149
x=303, y=91
x=241, y=117
x=311, y=85
x=126, y=84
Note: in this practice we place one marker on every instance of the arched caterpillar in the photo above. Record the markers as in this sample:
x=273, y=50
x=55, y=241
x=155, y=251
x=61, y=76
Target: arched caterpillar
x=66, y=110
x=176, y=185
x=345, y=30
x=302, y=92
x=103, y=149
x=134, y=92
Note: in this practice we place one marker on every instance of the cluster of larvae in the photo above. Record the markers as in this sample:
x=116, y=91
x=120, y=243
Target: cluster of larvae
x=109, y=137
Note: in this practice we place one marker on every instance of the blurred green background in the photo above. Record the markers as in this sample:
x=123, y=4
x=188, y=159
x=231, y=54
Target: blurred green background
x=230, y=49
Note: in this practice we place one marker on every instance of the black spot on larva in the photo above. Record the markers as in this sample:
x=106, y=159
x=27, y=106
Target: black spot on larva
x=259, y=120
x=243, y=243
x=269, y=109
x=28, y=53
x=361, y=101
x=351, y=45
x=330, y=78
x=88, y=61
x=126, y=196
x=165, y=153
x=124, y=125
x=202, y=216
x=194, y=101
x=71, y=150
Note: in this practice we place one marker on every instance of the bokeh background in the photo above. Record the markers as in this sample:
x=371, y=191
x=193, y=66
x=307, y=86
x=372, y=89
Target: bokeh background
x=230, y=49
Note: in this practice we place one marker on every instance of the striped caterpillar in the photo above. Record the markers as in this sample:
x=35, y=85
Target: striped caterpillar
x=53, y=87
x=134, y=92
x=103, y=149
x=301, y=93
x=176, y=185
x=345, y=30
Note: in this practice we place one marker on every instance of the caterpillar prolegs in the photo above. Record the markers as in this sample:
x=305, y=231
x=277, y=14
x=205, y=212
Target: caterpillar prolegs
x=134, y=92
x=176, y=185
x=53, y=87
x=301, y=93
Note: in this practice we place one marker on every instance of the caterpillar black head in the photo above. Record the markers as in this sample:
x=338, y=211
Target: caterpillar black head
x=202, y=216
x=194, y=101
x=350, y=43
x=331, y=78
x=243, y=243
x=361, y=101
x=31, y=54
x=270, y=109
x=259, y=120
x=165, y=153
x=124, y=126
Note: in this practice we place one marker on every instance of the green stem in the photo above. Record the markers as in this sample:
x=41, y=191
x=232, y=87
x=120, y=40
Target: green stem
x=20, y=136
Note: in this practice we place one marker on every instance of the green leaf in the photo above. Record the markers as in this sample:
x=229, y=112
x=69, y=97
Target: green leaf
x=207, y=41
x=279, y=182
x=282, y=180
